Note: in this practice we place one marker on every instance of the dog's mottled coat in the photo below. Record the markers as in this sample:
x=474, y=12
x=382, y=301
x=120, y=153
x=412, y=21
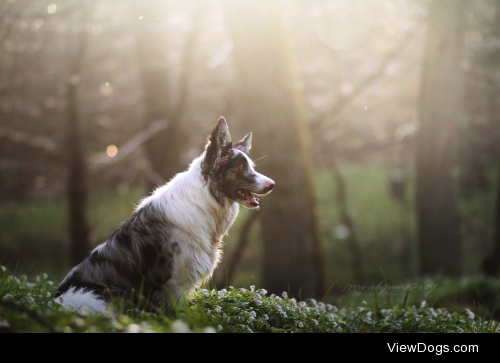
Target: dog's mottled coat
x=172, y=241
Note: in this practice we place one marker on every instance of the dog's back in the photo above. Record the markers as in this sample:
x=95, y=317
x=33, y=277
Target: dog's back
x=171, y=243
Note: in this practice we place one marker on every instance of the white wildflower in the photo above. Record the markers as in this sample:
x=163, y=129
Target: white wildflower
x=219, y=327
x=343, y=311
x=302, y=304
x=25, y=278
x=224, y=290
x=314, y=305
x=272, y=296
x=434, y=314
x=439, y=311
x=278, y=307
x=30, y=299
x=209, y=330
x=369, y=314
x=204, y=290
x=45, y=276
x=266, y=317
x=179, y=326
x=363, y=302
x=8, y=297
x=50, y=283
x=250, y=319
x=360, y=308
x=313, y=301
x=284, y=314
x=471, y=315
x=308, y=310
x=4, y=323
x=206, y=294
x=217, y=308
x=253, y=314
x=330, y=317
x=252, y=288
x=321, y=305
x=406, y=314
x=134, y=328
x=263, y=291
x=221, y=295
x=460, y=330
x=301, y=325
x=315, y=322
x=257, y=295
x=285, y=295
x=423, y=305
x=3, y=268
x=231, y=288
x=49, y=304
x=258, y=302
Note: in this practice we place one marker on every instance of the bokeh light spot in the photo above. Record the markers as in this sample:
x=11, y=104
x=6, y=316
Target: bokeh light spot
x=51, y=9
x=112, y=150
x=106, y=89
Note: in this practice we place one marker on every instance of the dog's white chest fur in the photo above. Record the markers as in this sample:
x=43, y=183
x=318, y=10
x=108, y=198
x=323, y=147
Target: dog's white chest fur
x=198, y=223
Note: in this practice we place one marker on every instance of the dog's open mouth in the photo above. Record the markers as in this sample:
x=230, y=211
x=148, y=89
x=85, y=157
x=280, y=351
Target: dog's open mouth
x=248, y=197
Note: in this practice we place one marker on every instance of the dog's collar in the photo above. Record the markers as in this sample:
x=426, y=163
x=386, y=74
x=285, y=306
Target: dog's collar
x=223, y=160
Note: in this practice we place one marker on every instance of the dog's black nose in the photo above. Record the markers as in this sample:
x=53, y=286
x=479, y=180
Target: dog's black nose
x=269, y=188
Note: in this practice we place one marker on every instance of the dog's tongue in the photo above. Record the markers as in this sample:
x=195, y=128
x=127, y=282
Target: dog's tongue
x=251, y=200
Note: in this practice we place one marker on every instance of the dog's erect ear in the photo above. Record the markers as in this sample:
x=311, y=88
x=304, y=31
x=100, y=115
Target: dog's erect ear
x=219, y=142
x=246, y=142
x=220, y=133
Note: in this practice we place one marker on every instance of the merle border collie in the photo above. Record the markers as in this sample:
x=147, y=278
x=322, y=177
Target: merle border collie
x=172, y=242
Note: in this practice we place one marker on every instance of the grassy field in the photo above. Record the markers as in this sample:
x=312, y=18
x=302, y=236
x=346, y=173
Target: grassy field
x=33, y=239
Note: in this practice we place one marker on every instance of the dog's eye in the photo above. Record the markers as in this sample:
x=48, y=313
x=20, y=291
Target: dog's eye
x=242, y=166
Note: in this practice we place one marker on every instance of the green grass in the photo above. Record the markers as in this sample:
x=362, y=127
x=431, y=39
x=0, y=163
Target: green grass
x=26, y=305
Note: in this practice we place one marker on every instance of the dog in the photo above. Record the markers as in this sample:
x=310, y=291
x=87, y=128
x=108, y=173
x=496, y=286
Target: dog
x=172, y=242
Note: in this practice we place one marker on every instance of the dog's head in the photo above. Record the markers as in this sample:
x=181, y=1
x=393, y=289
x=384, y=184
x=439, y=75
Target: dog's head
x=230, y=172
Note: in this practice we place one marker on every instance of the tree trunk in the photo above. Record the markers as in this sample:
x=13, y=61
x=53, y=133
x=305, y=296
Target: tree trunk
x=491, y=264
x=163, y=149
x=272, y=107
x=345, y=217
x=77, y=182
x=440, y=102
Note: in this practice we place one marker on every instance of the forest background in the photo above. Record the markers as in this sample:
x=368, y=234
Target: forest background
x=379, y=121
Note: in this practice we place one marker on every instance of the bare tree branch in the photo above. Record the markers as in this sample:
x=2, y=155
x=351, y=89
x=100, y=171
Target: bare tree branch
x=343, y=101
x=101, y=161
x=238, y=253
x=39, y=142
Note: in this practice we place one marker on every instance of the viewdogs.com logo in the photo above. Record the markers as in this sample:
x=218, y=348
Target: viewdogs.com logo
x=402, y=288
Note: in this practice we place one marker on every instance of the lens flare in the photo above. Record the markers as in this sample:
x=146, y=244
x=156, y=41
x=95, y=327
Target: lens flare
x=112, y=150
